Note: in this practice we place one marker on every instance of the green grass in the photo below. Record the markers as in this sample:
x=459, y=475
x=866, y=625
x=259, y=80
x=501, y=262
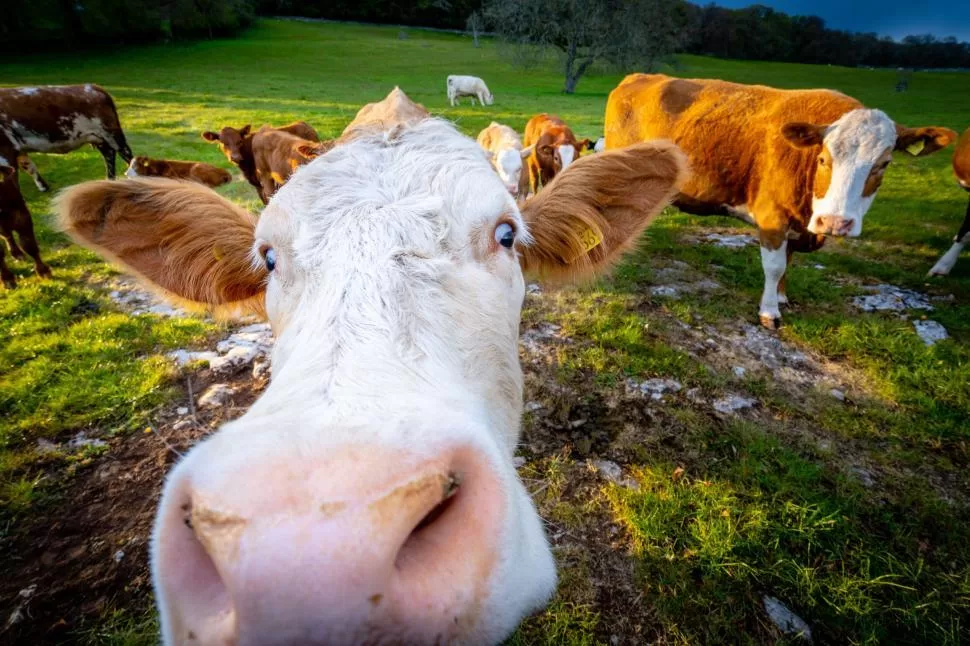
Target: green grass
x=761, y=508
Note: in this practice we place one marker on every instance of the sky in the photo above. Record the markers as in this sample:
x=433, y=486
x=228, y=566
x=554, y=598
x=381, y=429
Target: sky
x=896, y=18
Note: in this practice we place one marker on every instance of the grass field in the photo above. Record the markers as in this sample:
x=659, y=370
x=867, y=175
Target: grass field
x=853, y=511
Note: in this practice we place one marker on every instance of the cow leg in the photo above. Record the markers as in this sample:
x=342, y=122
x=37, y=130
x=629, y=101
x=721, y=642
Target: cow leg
x=946, y=262
x=774, y=262
x=782, y=292
x=6, y=276
x=15, y=249
x=108, y=152
x=25, y=230
x=27, y=165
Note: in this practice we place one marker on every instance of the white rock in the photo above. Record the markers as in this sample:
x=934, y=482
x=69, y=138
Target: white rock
x=665, y=290
x=787, y=621
x=609, y=469
x=46, y=447
x=182, y=410
x=183, y=357
x=889, y=298
x=533, y=340
x=260, y=368
x=120, y=554
x=739, y=371
x=863, y=475
x=532, y=407
x=727, y=240
x=930, y=331
x=654, y=388
x=216, y=395
x=818, y=266
x=182, y=424
x=733, y=403
x=81, y=441
x=533, y=288
x=18, y=613
x=838, y=394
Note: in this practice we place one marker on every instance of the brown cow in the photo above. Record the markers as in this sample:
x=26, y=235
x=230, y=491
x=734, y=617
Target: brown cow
x=193, y=171
x=554, y=148
x=961, y=168
x=237, y=146
x=59, y=119
x=15, y=217
x=798, y=164
x=277, y=154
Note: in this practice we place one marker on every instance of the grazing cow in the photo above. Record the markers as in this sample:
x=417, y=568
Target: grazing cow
x=472, y=86
x=237, y=146
x=798, y=164
x=961, y=168
x=193, y=171
x=554, y=148
x=15, y=218
x=369, y=495
x=504, y=149
x=59, y=119
x=278, y=153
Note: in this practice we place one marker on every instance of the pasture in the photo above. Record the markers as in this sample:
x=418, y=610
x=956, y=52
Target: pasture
x=687, y=463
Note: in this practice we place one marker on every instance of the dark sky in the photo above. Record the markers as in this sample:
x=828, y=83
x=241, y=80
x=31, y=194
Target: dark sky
x=896, y=18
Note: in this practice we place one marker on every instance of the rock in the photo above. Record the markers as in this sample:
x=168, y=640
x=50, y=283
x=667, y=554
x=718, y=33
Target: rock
x=930, y=331
x=183, y=424
x=139, y=301
x=46, y=447
x=120, y=554
x=261, y=369
x=733, y=403
x=82, y=441
x=533, y=288
x=665, y=290
x=838, y=394
x=614, y=473
x=576, y=423
x=694, y=394
x=243, y=347
x=889, y=298
x=532, y=407
x=533, y=340
x=785, y=620
x=863, y=475
x=184, y=357
x=18, y=613
x=216, y=395
x=182, y=410
x=654, y=388
x=739, y=371
x=518, y=462
x=818, y=266
x=735, y=241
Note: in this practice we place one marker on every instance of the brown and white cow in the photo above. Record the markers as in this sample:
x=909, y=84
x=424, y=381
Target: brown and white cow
x=15, y=218
x=277, y=153
x=961, y=168
x=59, y=119
x=192, y=171
x=504, y=149
x=237, y=146
x=554, y=148
x=798, y=164
x=369, y=495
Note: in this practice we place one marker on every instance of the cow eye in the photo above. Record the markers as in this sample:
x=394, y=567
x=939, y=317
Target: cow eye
x=505, y=235
x=269, y=257
x=821, y=161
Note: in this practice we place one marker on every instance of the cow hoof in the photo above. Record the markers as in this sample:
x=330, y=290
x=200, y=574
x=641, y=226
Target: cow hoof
x=937, y=273
x=44, y=271
x=9, y=282
x=770, y=322
x=43, y=188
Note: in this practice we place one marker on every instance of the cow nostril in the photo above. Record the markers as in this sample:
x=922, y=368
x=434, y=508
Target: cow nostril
x=450, y=498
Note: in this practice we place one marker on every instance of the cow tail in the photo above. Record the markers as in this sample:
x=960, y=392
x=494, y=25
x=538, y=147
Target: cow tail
x=120, y=143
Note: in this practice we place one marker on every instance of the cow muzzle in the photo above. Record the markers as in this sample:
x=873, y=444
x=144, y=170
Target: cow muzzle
x=832, y=225
x=355, y=547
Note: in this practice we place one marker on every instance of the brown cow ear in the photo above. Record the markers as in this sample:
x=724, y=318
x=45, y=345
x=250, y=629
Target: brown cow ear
x=920, y=142
x=803, y=135
x=180, y=237
x=208, y=135
x=588, y=215
x=314, y=150
x=245, y=130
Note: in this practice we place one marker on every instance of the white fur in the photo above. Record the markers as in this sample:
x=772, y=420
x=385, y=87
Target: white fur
x=856, y=141
x=600, y=145
x=774, y=262
x=566, y=154
x=504, y=148
x=946, y=262
x=459, y=86
x=396, y=319
x=132, y=171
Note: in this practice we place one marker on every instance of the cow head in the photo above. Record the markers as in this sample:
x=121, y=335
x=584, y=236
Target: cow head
x=508, y=165
x=852, y=156
x=141, y=166
x=369, y=494
x=557, y=148
x=234, y=143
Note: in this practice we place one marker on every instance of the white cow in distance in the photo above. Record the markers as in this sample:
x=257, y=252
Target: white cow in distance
x=504, y=149
x=459, y=86
x=369, y=495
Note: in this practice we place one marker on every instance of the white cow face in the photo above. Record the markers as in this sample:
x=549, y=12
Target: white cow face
x=369, y=494
x=853, y=155
x=508, y=165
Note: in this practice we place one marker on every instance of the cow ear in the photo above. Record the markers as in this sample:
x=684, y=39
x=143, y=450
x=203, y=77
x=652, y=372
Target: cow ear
x=208, y=135
x=525, y=152
x=245, y=130
x=803, y=135
x=312, y=150
x=588, y=215
x=180, y=237
x=587, y=144
x=920, y=142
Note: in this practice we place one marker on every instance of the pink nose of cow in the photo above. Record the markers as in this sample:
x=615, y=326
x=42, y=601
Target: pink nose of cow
x=362, y=547
x=834, y=225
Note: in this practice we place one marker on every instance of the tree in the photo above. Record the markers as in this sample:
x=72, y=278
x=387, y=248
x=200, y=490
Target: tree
x=476, y=25
x=621, y=32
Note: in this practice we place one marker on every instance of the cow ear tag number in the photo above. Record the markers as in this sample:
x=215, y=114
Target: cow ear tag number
x=590, y=240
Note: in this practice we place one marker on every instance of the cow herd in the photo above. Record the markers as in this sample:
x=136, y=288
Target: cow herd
x=370, y=495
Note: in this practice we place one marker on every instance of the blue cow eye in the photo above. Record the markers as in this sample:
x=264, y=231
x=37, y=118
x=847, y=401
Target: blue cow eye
x=269, y=256
x=505, y=235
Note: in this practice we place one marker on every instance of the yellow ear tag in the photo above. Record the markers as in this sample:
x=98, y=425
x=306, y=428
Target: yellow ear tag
x=916, y=148
x=590, y=241
x=217, y=252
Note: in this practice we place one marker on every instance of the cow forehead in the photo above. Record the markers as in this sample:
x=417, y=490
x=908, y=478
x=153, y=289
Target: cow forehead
x=426, y=184
x=861, y=135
